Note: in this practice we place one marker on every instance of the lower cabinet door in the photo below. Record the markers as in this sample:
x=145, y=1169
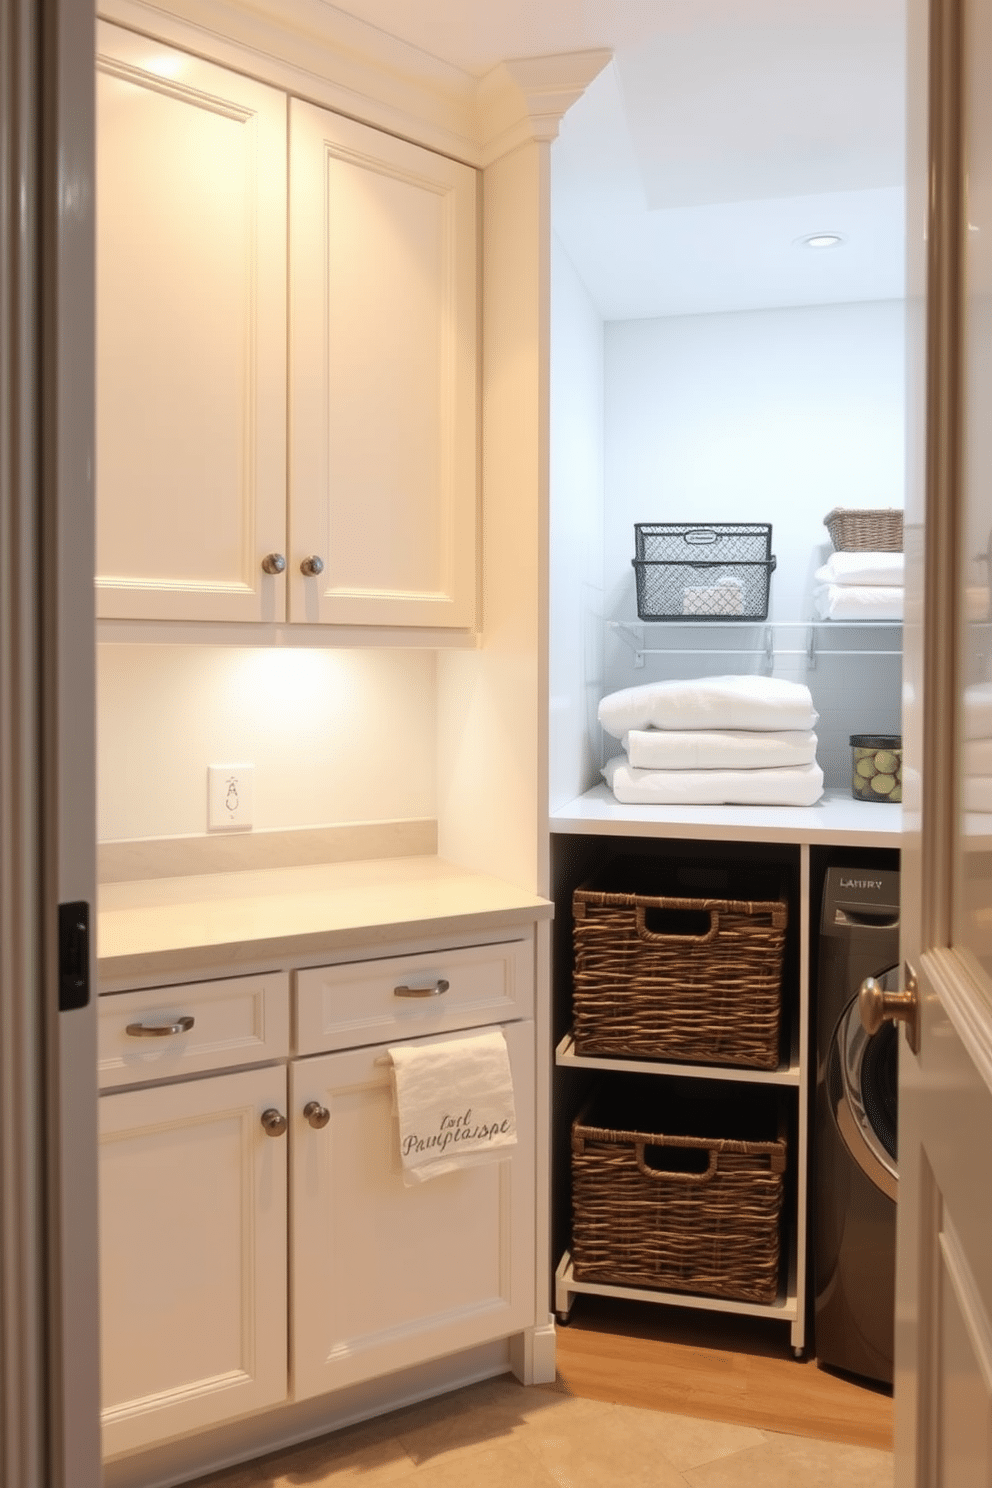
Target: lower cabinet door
x=193, y=1255
x=385, y=1276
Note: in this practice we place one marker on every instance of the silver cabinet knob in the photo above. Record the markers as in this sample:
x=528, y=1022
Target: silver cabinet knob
x=312, y=566
x=160, y=1030
x=274, y=1122
x=317, y=1115
x=273, y=563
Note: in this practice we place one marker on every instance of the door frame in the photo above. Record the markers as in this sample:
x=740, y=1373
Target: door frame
x=49, y=1342
x=955, y=1020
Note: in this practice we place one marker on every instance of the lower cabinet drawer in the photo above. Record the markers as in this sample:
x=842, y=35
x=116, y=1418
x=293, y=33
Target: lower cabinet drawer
x=164, y=1031
x=374, y=1002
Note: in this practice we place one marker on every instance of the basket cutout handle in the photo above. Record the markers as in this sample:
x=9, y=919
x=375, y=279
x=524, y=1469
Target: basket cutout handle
x=676, y=1175
x=675, y=912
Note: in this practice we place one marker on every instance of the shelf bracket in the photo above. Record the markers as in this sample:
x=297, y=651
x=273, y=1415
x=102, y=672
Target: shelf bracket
x=769, y=648
x=632, y=636
x=811, y=648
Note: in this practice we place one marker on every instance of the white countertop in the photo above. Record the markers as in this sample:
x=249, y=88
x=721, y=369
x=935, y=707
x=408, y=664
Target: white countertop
x=163, y=925
x=836, y=818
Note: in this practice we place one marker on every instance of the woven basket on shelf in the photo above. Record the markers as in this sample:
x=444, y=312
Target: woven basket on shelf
x=714, y=1231
x=876, y=531
x=668, y=977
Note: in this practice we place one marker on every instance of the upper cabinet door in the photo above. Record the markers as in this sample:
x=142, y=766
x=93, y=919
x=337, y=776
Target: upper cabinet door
x=383, y=378
x=191, y=336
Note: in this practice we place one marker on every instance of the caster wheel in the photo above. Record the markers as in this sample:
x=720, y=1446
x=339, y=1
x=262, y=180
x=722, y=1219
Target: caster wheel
x=799, y=1355
x=563, y=1319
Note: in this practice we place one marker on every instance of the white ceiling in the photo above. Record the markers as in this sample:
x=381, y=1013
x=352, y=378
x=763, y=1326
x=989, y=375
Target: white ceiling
x=723, y=131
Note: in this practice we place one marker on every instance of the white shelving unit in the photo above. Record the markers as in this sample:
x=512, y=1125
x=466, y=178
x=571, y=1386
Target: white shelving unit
x=836, y=821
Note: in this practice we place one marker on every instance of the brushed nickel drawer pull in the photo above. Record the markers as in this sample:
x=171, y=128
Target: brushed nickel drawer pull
x=160, y=1030
x=439, y=986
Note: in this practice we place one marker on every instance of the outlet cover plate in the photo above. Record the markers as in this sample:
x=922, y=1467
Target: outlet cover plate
x=230, y=797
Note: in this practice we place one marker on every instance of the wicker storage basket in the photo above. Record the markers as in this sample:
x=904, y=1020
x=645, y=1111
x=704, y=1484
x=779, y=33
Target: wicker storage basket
x=677, y=1212
x=660, y=973
x=878, y=531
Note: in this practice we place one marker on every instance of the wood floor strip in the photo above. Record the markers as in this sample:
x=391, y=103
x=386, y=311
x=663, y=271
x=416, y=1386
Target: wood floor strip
x=716, y=1367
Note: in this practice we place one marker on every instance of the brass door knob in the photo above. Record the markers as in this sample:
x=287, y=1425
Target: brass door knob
x=317, y=1115
x=876, y=1006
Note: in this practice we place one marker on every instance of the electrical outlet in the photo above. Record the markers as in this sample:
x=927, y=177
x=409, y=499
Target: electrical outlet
x=230, y=797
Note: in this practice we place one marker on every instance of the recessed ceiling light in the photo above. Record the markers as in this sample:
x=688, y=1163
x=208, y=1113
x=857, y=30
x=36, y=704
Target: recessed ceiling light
x=820, y=240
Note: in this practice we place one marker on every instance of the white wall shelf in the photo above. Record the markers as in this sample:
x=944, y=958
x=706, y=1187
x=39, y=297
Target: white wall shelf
x=762, y=636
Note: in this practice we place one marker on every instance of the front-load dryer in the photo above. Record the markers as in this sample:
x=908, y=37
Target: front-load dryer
x=854, y=1152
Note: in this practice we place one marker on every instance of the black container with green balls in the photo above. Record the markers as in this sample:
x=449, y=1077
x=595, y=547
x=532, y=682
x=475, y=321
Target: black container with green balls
x=876, y=767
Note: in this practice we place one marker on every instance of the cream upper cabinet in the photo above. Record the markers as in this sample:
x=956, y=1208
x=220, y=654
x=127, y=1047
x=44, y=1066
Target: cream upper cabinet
x=383, y=381
x=372, y=520
x=191, y=336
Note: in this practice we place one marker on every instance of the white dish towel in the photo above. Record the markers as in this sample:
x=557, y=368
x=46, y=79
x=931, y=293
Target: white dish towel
x=454, y=1103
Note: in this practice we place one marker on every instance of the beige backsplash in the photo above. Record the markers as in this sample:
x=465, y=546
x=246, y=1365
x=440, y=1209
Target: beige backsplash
x=233, y=852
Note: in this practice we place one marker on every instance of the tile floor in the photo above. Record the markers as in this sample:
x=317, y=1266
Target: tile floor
x=499, y=1435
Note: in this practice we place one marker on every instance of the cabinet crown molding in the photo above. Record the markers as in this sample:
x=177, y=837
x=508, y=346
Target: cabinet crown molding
x=314, y=51
x=525, y=98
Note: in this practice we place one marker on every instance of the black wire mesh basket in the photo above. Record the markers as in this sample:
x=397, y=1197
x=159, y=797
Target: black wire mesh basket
x=703, y=570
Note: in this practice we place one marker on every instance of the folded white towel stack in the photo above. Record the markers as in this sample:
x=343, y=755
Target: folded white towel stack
x=712, y=741
x=860, y=586
x=454, y=1103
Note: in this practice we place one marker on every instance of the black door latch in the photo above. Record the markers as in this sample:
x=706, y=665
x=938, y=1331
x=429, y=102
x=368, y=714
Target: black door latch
x=74, y=955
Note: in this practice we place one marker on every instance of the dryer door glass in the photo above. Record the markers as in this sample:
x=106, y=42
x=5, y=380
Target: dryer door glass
x=861, y=1080
x=880, y=1085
